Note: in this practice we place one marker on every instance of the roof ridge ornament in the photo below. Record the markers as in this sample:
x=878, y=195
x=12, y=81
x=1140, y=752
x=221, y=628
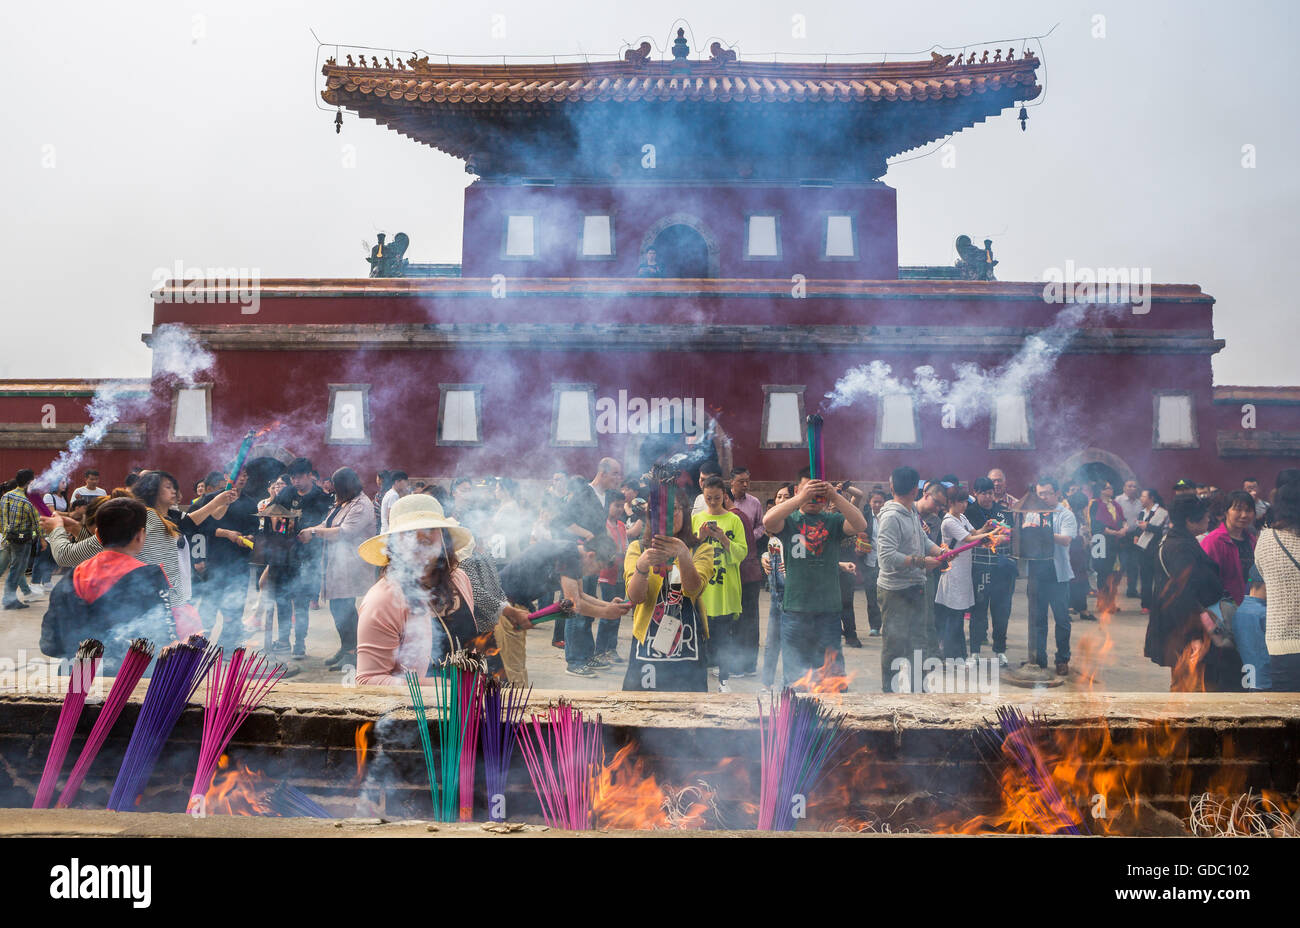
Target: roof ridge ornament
x=720, y=55
x=639, y=55
x=681, y=50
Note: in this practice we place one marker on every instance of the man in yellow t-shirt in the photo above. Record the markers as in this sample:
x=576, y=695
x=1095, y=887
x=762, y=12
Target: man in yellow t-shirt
x=721, y=597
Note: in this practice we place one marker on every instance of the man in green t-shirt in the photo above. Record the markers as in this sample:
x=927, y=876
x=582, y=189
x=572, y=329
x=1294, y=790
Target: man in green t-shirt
x=811, y=536
x=721, y=597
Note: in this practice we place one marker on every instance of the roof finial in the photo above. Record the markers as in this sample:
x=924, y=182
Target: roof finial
x=680, y=49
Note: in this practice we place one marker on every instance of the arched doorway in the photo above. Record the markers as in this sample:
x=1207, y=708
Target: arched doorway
x=683, y=245
x=682, y=252
x=1092, y=466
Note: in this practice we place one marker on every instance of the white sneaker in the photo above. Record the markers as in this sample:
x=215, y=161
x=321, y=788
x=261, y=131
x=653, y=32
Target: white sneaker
x=723, y=687
x=1002, y=658
x=972, y=660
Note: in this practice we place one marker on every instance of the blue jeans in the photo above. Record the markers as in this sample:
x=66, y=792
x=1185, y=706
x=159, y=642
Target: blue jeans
x=952, y=633
x=1046, y=591
x=805, y=639
x=607, y=629
x=579, y=642
x=1248, y=633
x=15, y=558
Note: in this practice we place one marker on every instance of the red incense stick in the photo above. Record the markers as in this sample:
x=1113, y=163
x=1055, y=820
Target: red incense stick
x=89, y=653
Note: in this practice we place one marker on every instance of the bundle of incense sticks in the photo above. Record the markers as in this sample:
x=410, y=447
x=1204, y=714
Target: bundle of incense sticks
x=471, y=709
x=235, y=689
x=797, y=738
x=138, y=656
x=422, y=726
x=84, y=666
x=240, y=456
x=458, y=682
x=503, y=711
x=1016, y=739
x=564, y=759
x=290, y=802
x=180, y=669
x=816, y=448
x=554, y=611
x=949, y=555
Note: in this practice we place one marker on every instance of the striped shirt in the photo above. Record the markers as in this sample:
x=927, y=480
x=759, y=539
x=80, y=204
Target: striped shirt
x=161, y=548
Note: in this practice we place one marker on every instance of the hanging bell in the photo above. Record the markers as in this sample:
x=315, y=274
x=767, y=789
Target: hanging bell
x=338, y=121
x=1024, y=118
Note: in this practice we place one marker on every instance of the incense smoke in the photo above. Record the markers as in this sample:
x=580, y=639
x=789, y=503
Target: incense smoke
x=176, y=353
x=974, y=388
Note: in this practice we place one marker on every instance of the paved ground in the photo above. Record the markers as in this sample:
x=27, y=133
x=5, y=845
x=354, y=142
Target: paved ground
x=1106, y=657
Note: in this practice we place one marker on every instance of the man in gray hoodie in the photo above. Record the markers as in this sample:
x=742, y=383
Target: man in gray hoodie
x=904, y=554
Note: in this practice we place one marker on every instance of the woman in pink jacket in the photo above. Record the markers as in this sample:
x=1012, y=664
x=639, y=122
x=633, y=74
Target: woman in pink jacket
x=347, y=576
x=422, y=608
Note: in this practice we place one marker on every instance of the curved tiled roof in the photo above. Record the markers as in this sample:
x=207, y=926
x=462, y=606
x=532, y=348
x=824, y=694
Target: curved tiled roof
x=754, y=82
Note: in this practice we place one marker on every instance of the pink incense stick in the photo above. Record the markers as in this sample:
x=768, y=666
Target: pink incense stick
x=234, y=690
x=471, y=702
x=546, y=613
x=138, y=656
x=89, y=653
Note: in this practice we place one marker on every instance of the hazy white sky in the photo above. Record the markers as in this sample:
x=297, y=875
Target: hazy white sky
x=140, y=135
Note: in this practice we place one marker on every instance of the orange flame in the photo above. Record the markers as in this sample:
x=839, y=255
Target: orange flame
x=629, y=796
x=362, y=748
x=830, y=677
x=1189, y=673
x=236, y=791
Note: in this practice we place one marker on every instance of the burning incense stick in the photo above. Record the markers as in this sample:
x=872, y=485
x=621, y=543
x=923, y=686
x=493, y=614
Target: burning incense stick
x=554, y=611
x=503, y=711
x=179, y=671
x=816, y=449
x=234, y=690
x=564, y=759
x=138, y=656
x=797, y=738
x=88, y=656
x=1016, y=739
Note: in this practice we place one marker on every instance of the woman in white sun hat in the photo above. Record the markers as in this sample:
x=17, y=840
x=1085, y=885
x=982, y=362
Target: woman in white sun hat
x=422, y=608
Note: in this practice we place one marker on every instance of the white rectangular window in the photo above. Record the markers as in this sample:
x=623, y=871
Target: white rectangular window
x=521, y=236
x=573, y=415
x=597, y=236
x=460, y=414
x=1010, y=422
x=761, y=239
x=191, y=418
x=896, y=425
x=1175, y=425
x=783, y=416
x=840, y=241
x=349, y=414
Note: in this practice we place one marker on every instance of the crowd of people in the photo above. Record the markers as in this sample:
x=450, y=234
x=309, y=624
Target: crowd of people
x=415, y=571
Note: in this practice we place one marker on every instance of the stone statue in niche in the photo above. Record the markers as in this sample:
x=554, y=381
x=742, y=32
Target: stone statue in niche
x=387, y=260
x=973, y=262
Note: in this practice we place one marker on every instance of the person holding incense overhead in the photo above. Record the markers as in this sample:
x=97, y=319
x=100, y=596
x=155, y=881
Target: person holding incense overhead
x=811, y=537
x=422, y=607
x=666, y=579
x=721, y=597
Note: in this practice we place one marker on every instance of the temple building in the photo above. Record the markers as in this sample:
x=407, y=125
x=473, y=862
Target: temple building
x=687, y=254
